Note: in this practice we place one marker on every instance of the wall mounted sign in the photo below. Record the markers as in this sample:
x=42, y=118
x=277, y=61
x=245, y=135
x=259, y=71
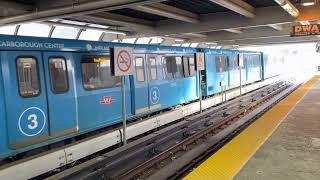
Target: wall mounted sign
x=306, y=30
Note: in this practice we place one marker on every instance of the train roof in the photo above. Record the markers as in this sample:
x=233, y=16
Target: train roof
x=53, y=44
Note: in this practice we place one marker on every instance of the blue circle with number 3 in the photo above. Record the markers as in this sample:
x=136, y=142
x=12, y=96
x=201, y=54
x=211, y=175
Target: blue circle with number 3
x=154, y=95
x=32, y=121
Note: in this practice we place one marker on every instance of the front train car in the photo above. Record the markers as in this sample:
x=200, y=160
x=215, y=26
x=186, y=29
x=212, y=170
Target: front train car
x=228, y=69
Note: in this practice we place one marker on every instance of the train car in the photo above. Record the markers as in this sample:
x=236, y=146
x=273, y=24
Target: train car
x=254, y=67
x=217, y=75
x=274, y=64
x=169, y=77
x=53, y=89
x=227, y=69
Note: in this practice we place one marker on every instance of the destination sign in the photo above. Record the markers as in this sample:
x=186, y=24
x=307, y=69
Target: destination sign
x=306, y=30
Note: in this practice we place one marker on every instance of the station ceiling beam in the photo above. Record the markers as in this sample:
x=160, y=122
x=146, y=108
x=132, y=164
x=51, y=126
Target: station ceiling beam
x=277, y=27
x=86, y=27
x=90, y=7
x=106, y=18
x=237, y=31
x=16, y=6
x=169, y=11
x=195, y=35
x=225, y=20
x=250, y=33
x=237, y=6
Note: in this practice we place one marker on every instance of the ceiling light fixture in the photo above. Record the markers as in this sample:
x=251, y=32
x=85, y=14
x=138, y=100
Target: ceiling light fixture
x=308, y=2
x=289, y=7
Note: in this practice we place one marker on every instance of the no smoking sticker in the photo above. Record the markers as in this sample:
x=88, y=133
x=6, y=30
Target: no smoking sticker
x=199, y=61
x=123, y=61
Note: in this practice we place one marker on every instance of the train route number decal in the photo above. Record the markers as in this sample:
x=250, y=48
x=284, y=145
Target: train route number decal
x=32, y=121
x=154, y=95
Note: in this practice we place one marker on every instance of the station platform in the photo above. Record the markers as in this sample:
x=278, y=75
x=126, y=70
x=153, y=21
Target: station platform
x=284, y=143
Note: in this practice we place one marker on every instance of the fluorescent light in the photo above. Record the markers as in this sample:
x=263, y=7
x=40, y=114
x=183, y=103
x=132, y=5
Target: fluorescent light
x=291, y=9
x=307, y=2
x=280, y=1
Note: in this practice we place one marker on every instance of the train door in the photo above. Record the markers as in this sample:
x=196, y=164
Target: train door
x=60, y=93
x=25, y=97
x=141, y=85
x=99, y=93
x=153, y=81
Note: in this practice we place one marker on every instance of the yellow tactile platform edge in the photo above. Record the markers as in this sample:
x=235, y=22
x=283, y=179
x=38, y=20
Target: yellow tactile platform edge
x=229, y=160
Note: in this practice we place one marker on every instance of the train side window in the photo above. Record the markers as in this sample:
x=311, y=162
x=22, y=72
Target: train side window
x=192, y=67
x=164, y=68
x=28, y=76
x=253, y=61
x=58, y=74
x=140, y=69
x=221, y=63
x=188, y=66
x=257, y=60
x=179, y=72
x=153, y=68
x=96, y=73
x=169, y=67
x=233, y=62
x=186, y=70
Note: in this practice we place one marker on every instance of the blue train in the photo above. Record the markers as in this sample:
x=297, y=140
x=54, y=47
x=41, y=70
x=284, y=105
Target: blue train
x=54, y=89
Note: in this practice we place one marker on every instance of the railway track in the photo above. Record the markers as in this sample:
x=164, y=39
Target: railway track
x=172, y=151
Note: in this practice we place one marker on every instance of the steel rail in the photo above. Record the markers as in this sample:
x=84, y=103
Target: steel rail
x=192, y=139
x=105, y=162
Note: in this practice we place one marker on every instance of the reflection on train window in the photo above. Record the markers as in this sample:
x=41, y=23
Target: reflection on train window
x=185, y=61
x=221, y=63
x=140, y=69
x=166, y=75
x=96, y=73
x=28, y=76
x=188, y=66
x=253, y=60
x=179, y=72
x=169, y=67
x=172, y=67
x=58, y=74
x=153, y=68
x=233, y=62
x=192, y=67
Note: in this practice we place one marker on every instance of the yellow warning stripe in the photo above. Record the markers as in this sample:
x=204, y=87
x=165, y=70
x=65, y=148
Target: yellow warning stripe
x=229, y=160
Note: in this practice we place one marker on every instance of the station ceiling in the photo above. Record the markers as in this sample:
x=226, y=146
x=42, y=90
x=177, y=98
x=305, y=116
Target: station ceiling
x=215, y=23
